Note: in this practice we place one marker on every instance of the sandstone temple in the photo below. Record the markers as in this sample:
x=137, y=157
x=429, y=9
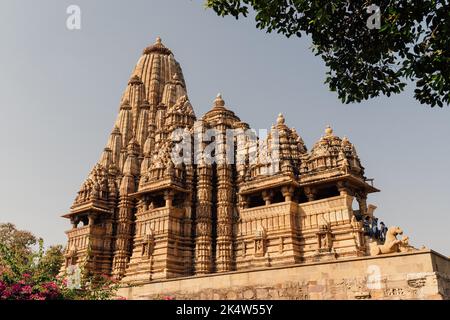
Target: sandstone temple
x=197, y=229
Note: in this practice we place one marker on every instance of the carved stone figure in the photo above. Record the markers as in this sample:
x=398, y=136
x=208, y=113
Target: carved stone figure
x=391, y=244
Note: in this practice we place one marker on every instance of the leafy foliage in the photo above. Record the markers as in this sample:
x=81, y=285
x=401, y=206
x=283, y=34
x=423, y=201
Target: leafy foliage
x=16, y=240
x=27, y=274
x=413, y=42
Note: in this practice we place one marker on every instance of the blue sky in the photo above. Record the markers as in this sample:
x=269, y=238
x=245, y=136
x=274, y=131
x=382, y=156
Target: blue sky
x=60, y=93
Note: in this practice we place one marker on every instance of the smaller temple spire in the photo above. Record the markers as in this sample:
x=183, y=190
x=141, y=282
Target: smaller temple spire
x=106, y=158
x=133, y=147
x=125, y=105
x=136, y=80
x=116, y=130
x=345, y=141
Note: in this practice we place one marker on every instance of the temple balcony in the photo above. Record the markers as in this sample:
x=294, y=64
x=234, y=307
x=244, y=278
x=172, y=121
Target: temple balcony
x=309, y=215
x=266, y=210
x=79, y=238
x=334, y=210
x=157, y=220
x=161, y=212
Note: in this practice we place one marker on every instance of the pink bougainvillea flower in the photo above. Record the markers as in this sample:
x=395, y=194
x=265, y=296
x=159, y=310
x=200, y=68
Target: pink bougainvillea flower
x=6, y=294
x=27, y=290
x=37, y=297
x=16, y=288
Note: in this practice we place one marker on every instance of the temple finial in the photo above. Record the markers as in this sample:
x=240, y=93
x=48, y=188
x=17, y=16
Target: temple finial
x=219, y=102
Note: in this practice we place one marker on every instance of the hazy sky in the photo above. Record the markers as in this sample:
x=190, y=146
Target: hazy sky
x=60, y=93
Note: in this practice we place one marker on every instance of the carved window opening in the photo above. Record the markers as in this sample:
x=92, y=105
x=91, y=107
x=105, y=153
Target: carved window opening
x=179, y=200
x=327, y=192
x=277, y=196
x=75, y=222
x=300, y=196
x=356, y=210
x=159, y=201
x=256, y=201
x=84, y=220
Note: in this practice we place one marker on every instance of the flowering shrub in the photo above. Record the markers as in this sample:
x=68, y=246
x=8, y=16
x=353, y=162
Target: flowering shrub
x=31, y=277
x=27, y=289
x=91, y=287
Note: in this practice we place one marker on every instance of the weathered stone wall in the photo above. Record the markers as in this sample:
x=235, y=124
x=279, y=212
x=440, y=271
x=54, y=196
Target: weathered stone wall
x=415, y=275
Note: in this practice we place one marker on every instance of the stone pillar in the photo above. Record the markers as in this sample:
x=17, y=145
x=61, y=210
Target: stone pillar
x=224, y=249
x=287, y=193
x=310, y=193
x=188, y=222
x=362, y=202
x=91, y=219
x=267, y=197
x=203, y=240
x=342, y=188
x=123, y=236
x=243, y=201
x=109, y=221
x=168, y=196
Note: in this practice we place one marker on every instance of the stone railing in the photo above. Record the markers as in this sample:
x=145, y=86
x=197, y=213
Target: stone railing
x=270, y=217
x=265, y=210
x=80, y=237
x=157, y=220
x=336, y=210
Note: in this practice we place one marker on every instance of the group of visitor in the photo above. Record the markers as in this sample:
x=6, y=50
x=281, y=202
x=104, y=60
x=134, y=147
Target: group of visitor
x=372, y=230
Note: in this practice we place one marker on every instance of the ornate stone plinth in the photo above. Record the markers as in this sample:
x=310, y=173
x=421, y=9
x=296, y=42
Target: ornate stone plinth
x=417, y=275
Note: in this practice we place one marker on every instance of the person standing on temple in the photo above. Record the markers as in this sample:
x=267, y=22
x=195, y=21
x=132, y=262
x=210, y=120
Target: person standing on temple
x=375, y=228
x=366, y=225
x=383, y=231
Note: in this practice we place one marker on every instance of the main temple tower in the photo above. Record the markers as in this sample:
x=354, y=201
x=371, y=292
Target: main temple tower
x=104, y=205
x=139, y=216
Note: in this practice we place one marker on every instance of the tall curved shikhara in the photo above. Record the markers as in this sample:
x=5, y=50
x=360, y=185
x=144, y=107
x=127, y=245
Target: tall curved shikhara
x=139, y=217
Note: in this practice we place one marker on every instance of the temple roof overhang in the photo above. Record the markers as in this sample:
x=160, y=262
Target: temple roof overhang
x=268, y=182
x=311, y=180
x=352, y=180
x=88, y=207
x=158, y=186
